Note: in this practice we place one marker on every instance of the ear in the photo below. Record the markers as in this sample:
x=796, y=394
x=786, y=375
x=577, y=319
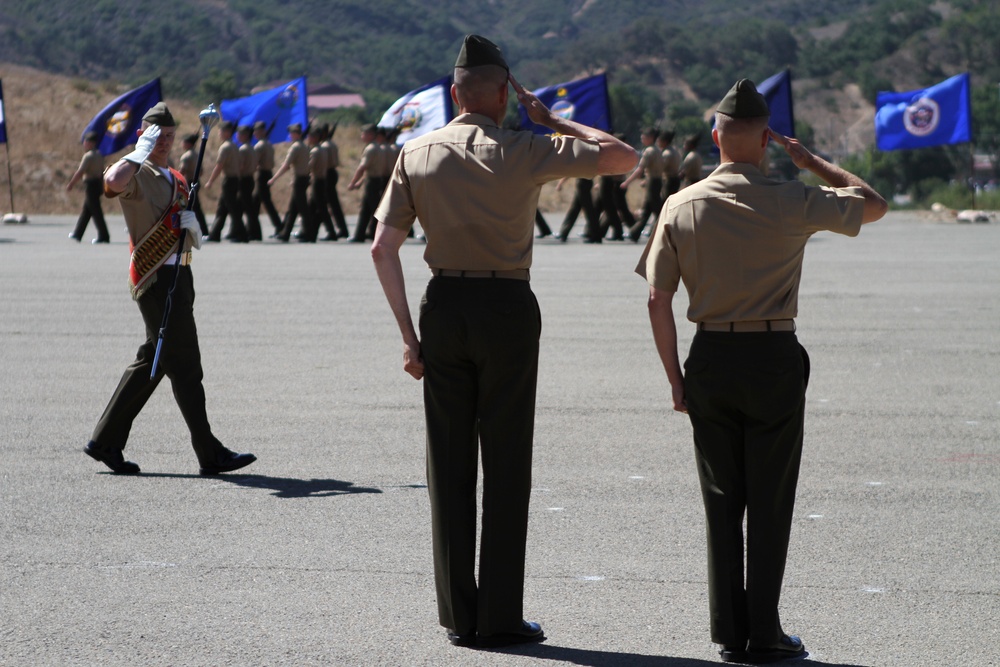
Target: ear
x=765, y=137
x=454, y=95
x=715, y=137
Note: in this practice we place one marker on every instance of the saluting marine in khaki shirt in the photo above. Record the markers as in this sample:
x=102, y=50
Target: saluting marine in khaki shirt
x=759, y=281
x=480, y=229
x=145, y=198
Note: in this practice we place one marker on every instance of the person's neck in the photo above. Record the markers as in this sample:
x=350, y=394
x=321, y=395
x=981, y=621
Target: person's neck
x=740, y=157
x=489, y=113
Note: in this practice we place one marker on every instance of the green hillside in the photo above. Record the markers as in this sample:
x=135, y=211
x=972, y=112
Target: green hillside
x=213, y=46
x=668, y=60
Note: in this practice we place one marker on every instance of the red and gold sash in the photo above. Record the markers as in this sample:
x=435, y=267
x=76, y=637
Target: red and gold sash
x=153, y=249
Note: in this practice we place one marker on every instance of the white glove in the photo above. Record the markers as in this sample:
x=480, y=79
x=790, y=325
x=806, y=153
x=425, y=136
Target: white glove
x=190, y=222
x=144, y=146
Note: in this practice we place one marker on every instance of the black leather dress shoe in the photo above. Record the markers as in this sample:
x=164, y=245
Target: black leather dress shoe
x=529, y=633
x=227, y=462
x=787, y=648
x=733, y=653
x=467, y=639
x=112, y=458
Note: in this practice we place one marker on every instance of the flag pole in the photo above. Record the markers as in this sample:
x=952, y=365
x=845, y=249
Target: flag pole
x=10, y=179
x=10, y=218
x=972, y=173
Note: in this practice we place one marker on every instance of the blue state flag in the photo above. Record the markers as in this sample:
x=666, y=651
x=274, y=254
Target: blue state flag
x=420, y=111
x=935, y=116
x=116, y=124
x=279, y=107
x=777, y=91
x=584, y=101
x=3, y=118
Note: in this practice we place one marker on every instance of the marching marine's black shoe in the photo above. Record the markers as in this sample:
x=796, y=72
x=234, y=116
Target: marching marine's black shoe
x=112, y=458
x=227, y=462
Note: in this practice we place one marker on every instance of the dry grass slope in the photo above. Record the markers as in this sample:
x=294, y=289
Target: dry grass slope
x=46, y=114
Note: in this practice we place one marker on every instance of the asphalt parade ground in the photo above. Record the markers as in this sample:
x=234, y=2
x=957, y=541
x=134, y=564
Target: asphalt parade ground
x=319, y=553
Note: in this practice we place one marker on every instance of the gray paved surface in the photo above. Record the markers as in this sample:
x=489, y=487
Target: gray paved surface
x=320, y=554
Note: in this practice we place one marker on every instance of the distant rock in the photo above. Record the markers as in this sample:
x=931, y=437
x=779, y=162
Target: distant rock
x=973, y=216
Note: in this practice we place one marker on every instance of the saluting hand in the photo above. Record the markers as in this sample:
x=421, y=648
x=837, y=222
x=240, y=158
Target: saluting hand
x=144, y=145
x=537, y=111
x=800, y=155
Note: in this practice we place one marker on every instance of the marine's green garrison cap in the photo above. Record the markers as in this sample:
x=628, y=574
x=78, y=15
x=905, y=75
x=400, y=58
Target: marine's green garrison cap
x=90, y=136
x=190, y=138
x=295, y=127
x=368, y=127
x=159, y=115
x=477, y=51
x=227, y=126
x=743, y=101
x=244, y=129
x=260, y=125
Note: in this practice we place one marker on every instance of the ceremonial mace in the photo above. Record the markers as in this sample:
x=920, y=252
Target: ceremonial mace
x=208, y=118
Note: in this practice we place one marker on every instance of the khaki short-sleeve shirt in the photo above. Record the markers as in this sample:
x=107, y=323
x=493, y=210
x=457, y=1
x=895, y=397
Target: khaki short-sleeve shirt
x=737, y=240
x=651, y=162
x=474, y=187
x=671, y=161
x=265, y=155
x=298, y=158
x=187, y=164
x=229, y=158
x=388, y=159
x=145, y=199
x=690, y=170
x=92, y=165
x=317, y=162
x=370, y=160
x=248, y=160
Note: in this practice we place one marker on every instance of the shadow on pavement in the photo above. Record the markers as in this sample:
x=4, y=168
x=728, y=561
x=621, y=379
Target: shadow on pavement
x=283, y=487
x=577, y=656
